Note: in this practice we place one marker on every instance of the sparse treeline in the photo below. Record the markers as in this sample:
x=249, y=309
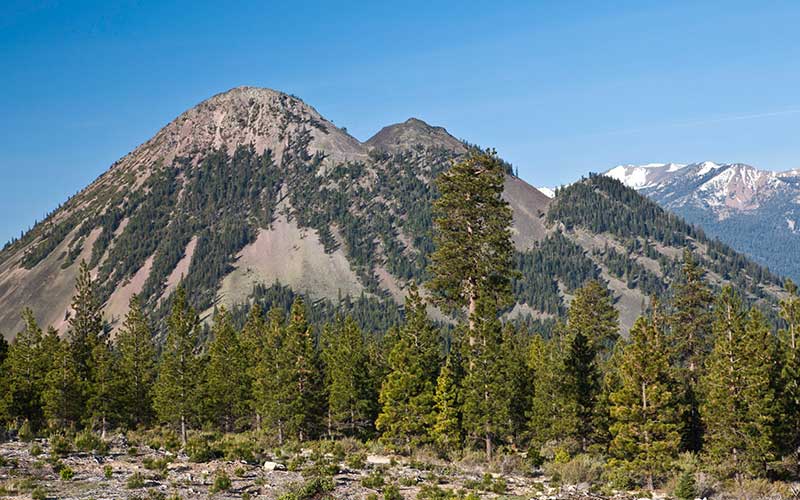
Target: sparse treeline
x=699, y=374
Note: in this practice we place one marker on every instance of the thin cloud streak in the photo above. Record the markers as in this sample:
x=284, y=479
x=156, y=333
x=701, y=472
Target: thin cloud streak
x=697, y=123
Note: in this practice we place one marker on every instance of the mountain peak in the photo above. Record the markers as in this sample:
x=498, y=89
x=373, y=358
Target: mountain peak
x=414, y=132
x=261, y=117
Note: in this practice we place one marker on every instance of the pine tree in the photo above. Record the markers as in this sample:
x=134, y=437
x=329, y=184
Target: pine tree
x=63, y=389
x=486, y=389
x=252, y=340
x=593, y=329
x=226, y=387
x=645, y=411
x=301, y=396
x=26, y=367
x=568, y=374
x=271, y=376
x=407, y=394
x=474, y=252
x=137, y=370
x=104, y=387
x=85, y=323
x=447, y=431
x=351, y=400
x=176, y=387
x=790, y=371
x=554, y=415
x=691, y=333
x=519, y=379
x=592, y=316
x=739, y=402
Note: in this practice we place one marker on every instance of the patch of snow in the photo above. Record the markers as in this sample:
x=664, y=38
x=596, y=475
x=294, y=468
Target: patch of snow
x=550, y=193
x=792, y=224
x=631, y=176
x=708, y=166
x=674, y=167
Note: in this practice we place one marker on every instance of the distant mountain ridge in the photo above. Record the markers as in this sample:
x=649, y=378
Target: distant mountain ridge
x=252, y=195
x=756, y=211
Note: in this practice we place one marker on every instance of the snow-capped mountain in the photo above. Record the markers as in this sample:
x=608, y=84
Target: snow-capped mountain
x=756, y=211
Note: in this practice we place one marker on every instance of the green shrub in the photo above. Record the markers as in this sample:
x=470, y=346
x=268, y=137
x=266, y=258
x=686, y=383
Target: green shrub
x=237, y=447
x=135, y=481
x=240, y=472
x=392, y=492
x=153, y=494
x=686, y=487
x=374, y=481
x=356, y=460
x=87, y=441
x=407, y=481
x=36, y=450
x=488, y=483
x=295, y=463
x=198, y=449
x=221, y=482
x=25, y=433
x=313, y=488
x=580, y=469
x=434, y=492
x=158, y=464
x=66, y=473
x=108, y=471
x=322, y=467
x=39, y=493
x=60, y=445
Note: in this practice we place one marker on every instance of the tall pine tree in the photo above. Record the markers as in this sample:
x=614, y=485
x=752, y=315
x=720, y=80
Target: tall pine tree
x=176, y=388
x=26, y=365
x=486, y=388
x=351, y=396
x=271, y=376
x=790, y=371
x=62, y=396
x=739, y=403
x=137, y=365
x=447, y=431
x=645, y=411
x=407, y=394
x=226, y=389
x=301, y=397
x=104, y=389
x=253, y=340
x=691, y=342
x=472, y=234
x=85, y=322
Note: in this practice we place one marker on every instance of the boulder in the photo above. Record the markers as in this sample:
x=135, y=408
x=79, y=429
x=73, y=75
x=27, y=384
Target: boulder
x=271, y=466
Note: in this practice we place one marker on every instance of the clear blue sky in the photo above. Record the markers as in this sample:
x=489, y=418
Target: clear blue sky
x=558, y=88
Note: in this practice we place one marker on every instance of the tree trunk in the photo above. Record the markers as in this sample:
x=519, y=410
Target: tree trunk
x=183, y=430
x=471, y=312
x=488, y=439
x=103, y=428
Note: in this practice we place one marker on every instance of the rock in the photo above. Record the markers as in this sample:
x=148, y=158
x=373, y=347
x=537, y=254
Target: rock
x=378, y=460
x=271, y=466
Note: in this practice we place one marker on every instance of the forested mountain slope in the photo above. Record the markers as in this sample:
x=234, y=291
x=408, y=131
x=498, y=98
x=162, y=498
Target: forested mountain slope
x=755, y=211
x=254, y=195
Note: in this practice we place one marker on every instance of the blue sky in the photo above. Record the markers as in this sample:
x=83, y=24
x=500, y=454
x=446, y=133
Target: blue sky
x=558, y=88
